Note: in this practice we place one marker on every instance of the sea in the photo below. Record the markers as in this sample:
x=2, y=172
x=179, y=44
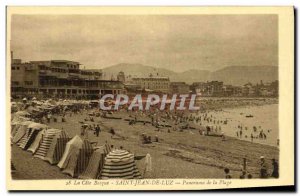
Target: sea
x=264, y=118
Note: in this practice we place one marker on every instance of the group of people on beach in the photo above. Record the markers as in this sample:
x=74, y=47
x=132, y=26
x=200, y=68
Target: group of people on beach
x=263, y=170
x=255, y=134
x=85, y=128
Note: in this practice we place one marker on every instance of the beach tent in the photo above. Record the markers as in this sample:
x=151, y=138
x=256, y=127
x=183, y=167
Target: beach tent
x=15, y=125
x=50, y=145
x=32, y=131
x=18, y=119
x=57, y=147
x=20, y=132
x=14, y=107
x=119, y=164
x=96, y=163
x=22, y=113
x=76, y=156
x=36, y=143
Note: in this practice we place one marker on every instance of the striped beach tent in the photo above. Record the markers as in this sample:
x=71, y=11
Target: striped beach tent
x=16, y=122
x=32, y=131
x=14, y=127
x=57, y=147
x=96, y=162
x=76, y=156
x=119, y=164
x=51, y=145
x=36, y=143
x=20, y=132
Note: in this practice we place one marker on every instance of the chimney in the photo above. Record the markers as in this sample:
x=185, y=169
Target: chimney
x=11, y=57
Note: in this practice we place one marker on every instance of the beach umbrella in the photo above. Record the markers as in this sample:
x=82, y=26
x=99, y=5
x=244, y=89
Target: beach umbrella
x=120, y=164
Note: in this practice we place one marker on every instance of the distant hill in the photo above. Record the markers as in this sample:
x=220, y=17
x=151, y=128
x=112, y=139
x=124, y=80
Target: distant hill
x=191, y=76
x=235, y=75
x=239, y=75
x=136, y=70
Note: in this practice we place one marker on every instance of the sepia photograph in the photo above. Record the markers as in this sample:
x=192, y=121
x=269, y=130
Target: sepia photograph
x=130, y=98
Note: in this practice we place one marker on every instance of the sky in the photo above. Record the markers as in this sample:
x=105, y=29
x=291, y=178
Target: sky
x=175, y=42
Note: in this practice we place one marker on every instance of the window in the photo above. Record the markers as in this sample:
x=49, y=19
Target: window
x=18, y=68
x=28, y=83
x=15, y=83
x=13, y=68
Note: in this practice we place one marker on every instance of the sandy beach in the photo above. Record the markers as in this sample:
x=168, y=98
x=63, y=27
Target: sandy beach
x=177, y=154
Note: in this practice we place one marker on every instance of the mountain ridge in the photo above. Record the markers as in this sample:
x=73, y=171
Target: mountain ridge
x=231, y=75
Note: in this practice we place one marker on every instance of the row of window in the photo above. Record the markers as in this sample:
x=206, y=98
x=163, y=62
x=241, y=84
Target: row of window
x=28, y=83
x=15, y=68
x=150, y=79
x=58, y=70
x=73, y=66
x=154, y=83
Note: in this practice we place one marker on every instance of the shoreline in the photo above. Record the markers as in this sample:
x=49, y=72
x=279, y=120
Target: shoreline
x=215, y=103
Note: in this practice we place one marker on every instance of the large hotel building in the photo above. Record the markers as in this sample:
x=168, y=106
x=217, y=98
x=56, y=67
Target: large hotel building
x=59, y=78
x=156, y=84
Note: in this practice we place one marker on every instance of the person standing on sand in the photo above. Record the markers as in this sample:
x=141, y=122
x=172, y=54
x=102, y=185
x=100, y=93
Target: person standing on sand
x=223, y=136
x=97, y=129
x=112, y=131
x=275, y=173
x=263, y=168
x=82, y=130
x=243, y=175
x=48, y=117
x=241, y=133
x=227, y=173
x=86, y=133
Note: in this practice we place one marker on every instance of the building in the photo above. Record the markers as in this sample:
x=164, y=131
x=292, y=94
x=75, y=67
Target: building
x=157, y=84
x=179, y=88
x=237, y=91
x=268, y=89
x=199, y=88
x=274, y=87
x=121, y=77
x=60, y=78
x=248, y=90
x=212, y=88
x=228, y=90
x=215, y=88
x=133, y=89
